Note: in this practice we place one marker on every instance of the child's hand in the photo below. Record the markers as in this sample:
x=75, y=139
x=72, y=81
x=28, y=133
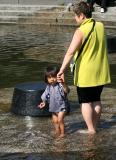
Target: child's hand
x=41, y=105
x=60, y=79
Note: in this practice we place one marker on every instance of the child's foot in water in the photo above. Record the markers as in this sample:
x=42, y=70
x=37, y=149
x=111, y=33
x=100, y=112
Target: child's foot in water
x=61, y=135
x=55, y=134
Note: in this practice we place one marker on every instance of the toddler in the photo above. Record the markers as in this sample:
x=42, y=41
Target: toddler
x=56, y=95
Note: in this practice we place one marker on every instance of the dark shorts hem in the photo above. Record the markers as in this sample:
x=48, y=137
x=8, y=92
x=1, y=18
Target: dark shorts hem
x=89, y=94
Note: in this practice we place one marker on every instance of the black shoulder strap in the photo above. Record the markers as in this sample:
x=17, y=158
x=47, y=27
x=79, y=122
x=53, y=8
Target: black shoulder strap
x=85, y=41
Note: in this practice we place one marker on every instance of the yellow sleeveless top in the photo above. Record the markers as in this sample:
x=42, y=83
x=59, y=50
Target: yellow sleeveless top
x=92, y=67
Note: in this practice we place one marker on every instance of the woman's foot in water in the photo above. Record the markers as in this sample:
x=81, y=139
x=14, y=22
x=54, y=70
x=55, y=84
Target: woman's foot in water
x=86, y=131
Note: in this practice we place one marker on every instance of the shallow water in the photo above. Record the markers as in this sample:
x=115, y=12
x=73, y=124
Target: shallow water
x=32, y=138
x=25, y=50
x=24, y=53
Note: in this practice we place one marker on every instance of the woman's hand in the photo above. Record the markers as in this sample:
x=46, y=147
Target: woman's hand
x=41, y=105
x=60, y=77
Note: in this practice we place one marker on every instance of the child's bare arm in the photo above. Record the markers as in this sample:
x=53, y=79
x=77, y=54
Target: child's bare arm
x=65, y=87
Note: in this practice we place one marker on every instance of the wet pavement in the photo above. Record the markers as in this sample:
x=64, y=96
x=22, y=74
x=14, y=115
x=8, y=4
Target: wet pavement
x=23, y=137
x=27, y=135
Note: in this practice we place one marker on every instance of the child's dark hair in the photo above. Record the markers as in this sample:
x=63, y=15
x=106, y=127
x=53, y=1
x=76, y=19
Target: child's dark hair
x=50, y=71
x=82, y=7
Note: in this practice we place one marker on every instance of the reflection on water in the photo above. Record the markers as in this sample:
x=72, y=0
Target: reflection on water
x=26, y=50
x=27, y=137
x=61, y=156
x=24, y=53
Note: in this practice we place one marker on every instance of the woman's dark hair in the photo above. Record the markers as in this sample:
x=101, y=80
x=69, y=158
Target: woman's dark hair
x=50, y=71
x=82, y=7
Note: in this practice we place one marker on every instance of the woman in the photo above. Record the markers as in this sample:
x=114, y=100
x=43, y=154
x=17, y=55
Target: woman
x=92, y=68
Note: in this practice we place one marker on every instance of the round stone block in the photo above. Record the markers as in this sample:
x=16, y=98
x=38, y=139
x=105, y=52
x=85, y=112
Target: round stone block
x=26, y=98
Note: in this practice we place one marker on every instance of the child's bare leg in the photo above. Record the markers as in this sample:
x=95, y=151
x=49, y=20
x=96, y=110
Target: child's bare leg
x=56, y=124
x=61, y=123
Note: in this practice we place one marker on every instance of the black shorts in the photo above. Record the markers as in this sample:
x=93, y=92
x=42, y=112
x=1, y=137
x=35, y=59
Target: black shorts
x=89, y=94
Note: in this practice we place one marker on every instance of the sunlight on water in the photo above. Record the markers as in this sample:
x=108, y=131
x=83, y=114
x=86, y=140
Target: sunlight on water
x=25, y=51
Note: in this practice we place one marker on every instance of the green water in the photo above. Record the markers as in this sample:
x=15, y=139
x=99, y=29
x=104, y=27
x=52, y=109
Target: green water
x=25, y=51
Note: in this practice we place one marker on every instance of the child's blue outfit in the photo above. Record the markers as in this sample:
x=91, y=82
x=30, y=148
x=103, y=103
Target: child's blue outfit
x=55, y=96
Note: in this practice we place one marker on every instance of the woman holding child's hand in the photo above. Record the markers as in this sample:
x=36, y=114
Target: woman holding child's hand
x=91, y=67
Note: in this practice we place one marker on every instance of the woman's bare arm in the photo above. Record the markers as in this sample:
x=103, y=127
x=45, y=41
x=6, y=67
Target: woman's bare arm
x=75, y=45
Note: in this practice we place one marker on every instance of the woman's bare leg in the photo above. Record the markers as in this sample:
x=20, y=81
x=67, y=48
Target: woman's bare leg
x=87, y=112
x=97, y=107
